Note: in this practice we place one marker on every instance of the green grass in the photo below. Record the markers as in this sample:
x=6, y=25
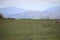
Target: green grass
x=29, y=30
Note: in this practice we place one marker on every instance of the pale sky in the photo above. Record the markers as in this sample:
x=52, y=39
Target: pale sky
x=38, y=5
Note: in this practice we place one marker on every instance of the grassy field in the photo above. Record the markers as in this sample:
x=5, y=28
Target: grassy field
x=29, y=30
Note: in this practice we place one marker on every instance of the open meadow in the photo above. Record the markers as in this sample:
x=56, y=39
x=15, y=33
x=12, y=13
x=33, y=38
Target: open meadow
x=29, y=29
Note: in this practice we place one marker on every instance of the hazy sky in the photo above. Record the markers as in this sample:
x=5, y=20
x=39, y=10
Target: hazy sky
x=38, y=5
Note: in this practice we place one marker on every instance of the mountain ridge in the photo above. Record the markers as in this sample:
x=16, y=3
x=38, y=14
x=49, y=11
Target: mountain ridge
x=23, y=13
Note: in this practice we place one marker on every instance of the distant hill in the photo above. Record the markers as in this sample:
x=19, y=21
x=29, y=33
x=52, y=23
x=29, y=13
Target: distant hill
x=53, y=12
x=27, y=14
x=13, y=12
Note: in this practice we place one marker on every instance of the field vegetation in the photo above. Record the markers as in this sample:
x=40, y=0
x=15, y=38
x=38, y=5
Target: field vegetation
x=28, y=29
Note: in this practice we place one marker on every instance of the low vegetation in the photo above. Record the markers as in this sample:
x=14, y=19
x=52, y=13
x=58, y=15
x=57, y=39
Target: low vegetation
x=29, y=29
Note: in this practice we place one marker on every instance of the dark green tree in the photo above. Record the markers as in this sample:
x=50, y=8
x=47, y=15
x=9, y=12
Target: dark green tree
x=1, y=16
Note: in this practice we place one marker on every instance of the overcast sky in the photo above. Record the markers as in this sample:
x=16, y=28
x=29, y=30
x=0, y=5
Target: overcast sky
x=38, y=5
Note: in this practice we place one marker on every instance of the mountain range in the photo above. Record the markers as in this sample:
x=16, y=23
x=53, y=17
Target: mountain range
x=14, y=12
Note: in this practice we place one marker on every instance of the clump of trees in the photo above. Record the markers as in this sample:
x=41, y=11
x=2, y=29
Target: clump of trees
x=2, y=17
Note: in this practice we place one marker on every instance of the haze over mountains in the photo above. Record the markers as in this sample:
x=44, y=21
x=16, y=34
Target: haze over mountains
x=13, y=12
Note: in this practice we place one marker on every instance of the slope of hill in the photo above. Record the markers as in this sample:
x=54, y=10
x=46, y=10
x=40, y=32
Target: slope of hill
x=11, y=10
x=27, y=14
x=53, y=13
